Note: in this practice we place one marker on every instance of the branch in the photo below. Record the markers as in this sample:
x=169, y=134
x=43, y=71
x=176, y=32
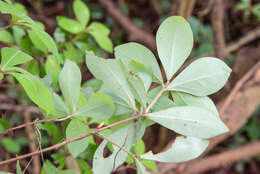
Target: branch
x=217, y=20
x=135, y=33
x=225, y=158
x=186, y=8
x=57, y=146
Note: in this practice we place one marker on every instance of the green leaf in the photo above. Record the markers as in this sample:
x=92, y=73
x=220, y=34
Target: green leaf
x=12, y=57
x=18, y=168
x=49, y=168
x=11, y=145
x=184, y=99
x=84, y=166
x=6, y=37
x=138, y=89
x=174, y=43
x=190, y=121
x=37, y=42
x=140, y=168
x=52, y=67
x=123, y=137
x=36, y=91
x=202, y=77
x=183, y=149
x=60, y=108
x=82, y=12
x=150, y=165
x=95, y=84
x=69, y=81
x=134, y=51
x=70, y=25
x=98, y=106
x=100, y=33
x=1, y=76
x=111, y=72
x=74, y=129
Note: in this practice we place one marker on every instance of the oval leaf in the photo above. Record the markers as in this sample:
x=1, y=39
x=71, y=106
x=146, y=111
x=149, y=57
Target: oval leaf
x=81, y=12
x=183, y=149
x=74, y=129
x=98, y=106
x=202, y=77
x=6, y=37
x=69, y=25
x=69, y=81
x=190, y=121
x=174, y=41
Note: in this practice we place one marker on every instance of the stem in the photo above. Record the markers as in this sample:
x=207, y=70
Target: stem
x=164, y=88
x=56, y=146
x=120, y=147
x=34, y=122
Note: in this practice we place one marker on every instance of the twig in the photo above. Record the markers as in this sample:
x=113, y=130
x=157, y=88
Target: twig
x=186, y=8
x=34, y=122
x=135, y=33
x=217, y=20
x=120, y=147
x=29, y=132
x=57, y=146
x=225, y=158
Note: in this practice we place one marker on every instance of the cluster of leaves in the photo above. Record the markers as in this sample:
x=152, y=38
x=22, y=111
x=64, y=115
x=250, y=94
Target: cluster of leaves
x=247, y=8
x=120, y=90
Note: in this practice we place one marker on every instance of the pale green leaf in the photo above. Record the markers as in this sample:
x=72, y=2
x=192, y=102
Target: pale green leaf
x=11, y=145
x=69, y=81
x=174, y=41
x=134, y=51
x=36, y=91
x=123, y=137
x=183, y=149
x=140, y=168
x=138, y=89
x=81, y=11
x=190, y=121
x=74, y=129
x=70, y=25
x=112, y=74
x=12, y=57
x=98, y=106
x=184, y=99
x=53, y=68
x=202, y=77
x=18, y=168
x=6, y=37
x=60, y=108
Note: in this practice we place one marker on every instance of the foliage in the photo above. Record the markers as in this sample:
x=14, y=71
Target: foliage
x=119, y=96
x=247, y=8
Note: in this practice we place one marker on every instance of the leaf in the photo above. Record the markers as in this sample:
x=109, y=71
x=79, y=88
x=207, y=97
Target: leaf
x=203, y=77
x=98, y=106
x=123, y=137
x=112, y=74
x=60, y=108
x=82, y=12
x=37, y=42
x=49, y=168
x=183, y=149
x=140, y=168
x=69, y=25
x=36, y=91
x=52, y=67
x=190, y=121
x=74, y=129
x=138, y=89
x=150, y=165
x=69, y=81
x=6, y=37
x=18, y=168
x=100, y=33
x=12, y=57
x=134, y=51
x=11, y=145
x=174, y=43
x=184, y=99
